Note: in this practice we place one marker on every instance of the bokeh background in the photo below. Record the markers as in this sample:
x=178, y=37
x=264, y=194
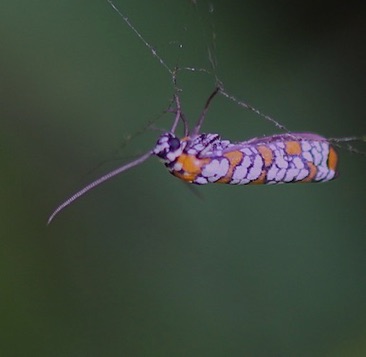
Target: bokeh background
x=141, y=266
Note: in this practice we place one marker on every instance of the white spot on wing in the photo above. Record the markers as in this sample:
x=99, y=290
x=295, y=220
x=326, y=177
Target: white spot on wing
x=305, y=146
x=307, y=156
x=317, y=157
x=272, y=173
x=291, y=174
x=298, y=163
x=321, y=173
x=302, y=174
x=177, y=166
x=281, y=162
x=201, y=180
x=280, y=175
x=246, y=151
x=330, y=175
x=216, y=169
x=256, y=170
x=241, y=171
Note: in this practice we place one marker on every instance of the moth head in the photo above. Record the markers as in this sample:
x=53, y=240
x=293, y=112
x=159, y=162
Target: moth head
x=169, y=147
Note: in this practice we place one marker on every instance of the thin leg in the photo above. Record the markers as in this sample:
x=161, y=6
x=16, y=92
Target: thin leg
x=185, y=124
x=197, y=128
x=177, y=113
x=178, y=109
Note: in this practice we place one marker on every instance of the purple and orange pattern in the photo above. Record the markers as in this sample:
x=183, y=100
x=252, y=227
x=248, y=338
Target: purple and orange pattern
x=285, y=158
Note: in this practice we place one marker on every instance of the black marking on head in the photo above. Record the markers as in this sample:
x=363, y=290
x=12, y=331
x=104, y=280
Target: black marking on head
x=168, y=147
x=174, y=143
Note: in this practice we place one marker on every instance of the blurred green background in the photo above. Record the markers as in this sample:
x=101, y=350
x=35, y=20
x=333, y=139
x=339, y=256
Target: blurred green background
x=140, y=266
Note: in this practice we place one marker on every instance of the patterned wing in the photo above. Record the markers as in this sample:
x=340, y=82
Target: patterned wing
x=271, y=160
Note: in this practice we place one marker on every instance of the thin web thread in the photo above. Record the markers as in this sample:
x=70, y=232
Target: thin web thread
x=173, y=73
x=213, y=62
x=151, y=48
x=211, y=51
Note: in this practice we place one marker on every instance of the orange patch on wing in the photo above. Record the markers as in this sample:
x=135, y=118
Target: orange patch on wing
x=235, y=158
x=293, y=148
x=191, y=167
x=332, y=159
x=266, y=154
x=261, y=179
x=312, y=172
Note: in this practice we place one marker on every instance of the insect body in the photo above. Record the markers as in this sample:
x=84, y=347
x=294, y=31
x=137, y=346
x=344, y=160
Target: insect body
x=200, y=158
x=296, y=157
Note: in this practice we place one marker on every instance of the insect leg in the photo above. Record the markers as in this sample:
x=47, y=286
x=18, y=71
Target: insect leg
x=197, y=128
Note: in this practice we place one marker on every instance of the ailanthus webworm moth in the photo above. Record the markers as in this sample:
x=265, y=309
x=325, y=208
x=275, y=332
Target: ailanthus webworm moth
x=203, y=158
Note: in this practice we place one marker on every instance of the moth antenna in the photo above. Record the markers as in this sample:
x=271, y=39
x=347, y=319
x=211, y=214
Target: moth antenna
x=339, y=141
x=97, y=182
x=349, y=138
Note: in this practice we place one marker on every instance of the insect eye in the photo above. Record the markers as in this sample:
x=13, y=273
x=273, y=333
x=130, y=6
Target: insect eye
x=174, y=144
